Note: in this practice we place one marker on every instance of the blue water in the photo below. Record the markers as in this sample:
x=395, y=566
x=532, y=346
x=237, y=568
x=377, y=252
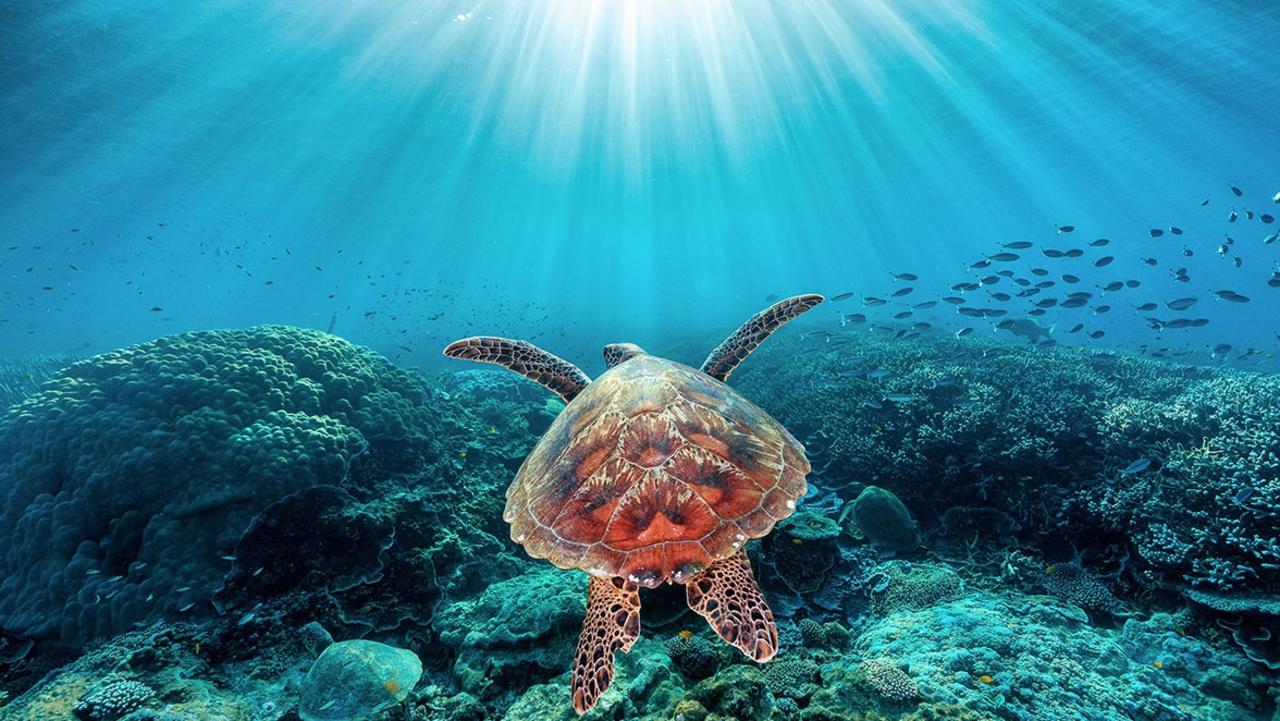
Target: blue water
x=579, y=172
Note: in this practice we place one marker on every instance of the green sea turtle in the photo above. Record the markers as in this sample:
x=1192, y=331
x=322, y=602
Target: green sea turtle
x=653, y=473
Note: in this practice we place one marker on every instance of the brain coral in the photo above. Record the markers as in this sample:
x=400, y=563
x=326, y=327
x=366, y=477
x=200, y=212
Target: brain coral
x=129, y=476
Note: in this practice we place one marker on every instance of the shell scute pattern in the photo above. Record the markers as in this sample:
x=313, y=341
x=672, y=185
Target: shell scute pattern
x=652, y=473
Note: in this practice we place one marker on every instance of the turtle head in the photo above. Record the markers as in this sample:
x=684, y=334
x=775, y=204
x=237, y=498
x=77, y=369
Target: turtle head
x=615, y=353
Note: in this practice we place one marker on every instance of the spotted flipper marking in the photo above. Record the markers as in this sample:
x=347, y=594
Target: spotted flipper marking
x=612, y=623
x=727, y=596
x=751, y=334
x=557, y=374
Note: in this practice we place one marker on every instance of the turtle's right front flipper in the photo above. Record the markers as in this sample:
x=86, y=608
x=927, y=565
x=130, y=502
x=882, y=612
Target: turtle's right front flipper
x=555, y=373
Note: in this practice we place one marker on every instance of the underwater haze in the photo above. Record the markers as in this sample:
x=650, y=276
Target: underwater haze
x=997, y=437
x=583, y=172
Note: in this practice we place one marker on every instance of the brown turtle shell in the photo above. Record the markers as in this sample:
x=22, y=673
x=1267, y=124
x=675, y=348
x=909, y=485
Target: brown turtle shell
x=652, y=473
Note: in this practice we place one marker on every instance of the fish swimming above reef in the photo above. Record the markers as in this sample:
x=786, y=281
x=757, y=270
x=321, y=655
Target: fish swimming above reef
x=1027, y=328
x=653, y=473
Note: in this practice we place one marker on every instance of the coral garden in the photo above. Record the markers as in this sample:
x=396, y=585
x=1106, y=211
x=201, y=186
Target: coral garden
x=273, y=523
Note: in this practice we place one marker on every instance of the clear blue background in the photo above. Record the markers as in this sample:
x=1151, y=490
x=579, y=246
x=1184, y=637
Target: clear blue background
x=578, y=172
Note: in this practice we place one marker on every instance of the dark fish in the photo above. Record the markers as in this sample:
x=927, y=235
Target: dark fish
x=964, y=331
x=1076, y=328
x=925, y=305
x=902, y=315
x=1150, y=261
x=1267, y=218
x=1181, y=303
x=1137, y=466
x=1232, y=216
x=1017, y=245
x=1099, y=243
x=963, y=287
x=1097, y=334
x=1051, y=253
x=1067, y=277
x=1222, y=349
x=1002, y=297
x=1156, y=232
x=1045, y=284
x=1102, y=309
x=1073, y=253
x=1132, y=283
x=1037, y=312
x=1066, y=228
x=981, y=264
x=906, y=276
x=1236, y=191
x=1039, y=272
x=1146, y=307
x=1199, y=322
x=871, y=300
x=902, y=291
x=1237, y=261
x=333, y=320
x=1074, y=302
x=1004, y=257
x=855, y=318
x=1103, y=261
x=1175, y=230
x=1232, y=296
x=953, y=299
x=1178, y=323
x=1047, y=303
x=1204, y=202
x=1113, y=286
x=842, y=296
x=990, y=280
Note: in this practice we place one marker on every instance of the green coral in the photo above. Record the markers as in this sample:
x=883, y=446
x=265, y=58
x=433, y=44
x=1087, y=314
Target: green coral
x=135, y=471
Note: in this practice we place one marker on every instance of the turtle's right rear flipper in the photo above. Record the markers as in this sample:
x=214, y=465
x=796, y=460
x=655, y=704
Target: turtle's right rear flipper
x=612, y=624
x=556, y=374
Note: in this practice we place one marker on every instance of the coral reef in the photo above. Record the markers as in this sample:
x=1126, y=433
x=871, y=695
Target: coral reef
x=136, y=471
x=20, y=376
x=217, y=507
x=885, y=521
x=353, y=680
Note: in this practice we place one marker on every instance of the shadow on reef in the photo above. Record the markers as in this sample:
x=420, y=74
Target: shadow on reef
x=185, y=519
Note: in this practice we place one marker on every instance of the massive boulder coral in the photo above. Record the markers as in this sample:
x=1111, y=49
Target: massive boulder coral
x=130, y=476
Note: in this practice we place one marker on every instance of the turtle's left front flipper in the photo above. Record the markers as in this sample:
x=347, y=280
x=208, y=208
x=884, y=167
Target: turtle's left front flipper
x=612, y=623
x=550, y=371
x=751, y=334
x=727, y=596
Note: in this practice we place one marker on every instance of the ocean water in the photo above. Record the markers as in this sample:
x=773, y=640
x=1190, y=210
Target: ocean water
x=1038, y=401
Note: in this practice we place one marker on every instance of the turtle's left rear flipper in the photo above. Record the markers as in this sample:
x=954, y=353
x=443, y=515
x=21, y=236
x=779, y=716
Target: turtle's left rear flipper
x=727, y=596
x=553, y=372
x=612, y=623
